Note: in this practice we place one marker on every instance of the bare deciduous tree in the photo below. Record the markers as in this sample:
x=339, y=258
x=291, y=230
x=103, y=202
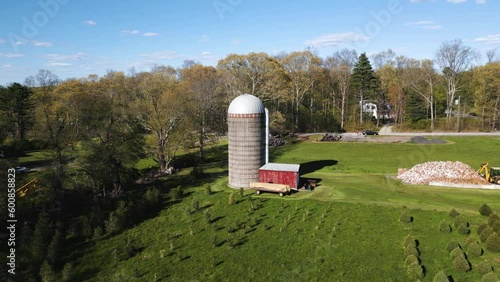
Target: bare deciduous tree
x=340, y=66
x=453, y=57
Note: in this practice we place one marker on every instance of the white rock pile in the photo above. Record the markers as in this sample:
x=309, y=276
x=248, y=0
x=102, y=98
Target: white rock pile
x=454, y=172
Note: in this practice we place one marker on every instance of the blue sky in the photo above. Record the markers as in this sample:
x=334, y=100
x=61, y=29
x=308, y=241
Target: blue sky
x=75, y=38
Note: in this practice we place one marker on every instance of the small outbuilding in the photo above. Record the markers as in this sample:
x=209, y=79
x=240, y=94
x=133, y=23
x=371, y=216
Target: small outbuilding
x=287, y=174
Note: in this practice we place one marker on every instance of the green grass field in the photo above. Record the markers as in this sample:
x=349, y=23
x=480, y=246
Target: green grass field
x=347, y=229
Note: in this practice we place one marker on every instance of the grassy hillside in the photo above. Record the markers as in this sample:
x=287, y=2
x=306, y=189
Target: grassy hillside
x=348, y=229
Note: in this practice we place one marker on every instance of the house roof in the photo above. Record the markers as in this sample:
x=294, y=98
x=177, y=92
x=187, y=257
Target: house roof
x=281, y=167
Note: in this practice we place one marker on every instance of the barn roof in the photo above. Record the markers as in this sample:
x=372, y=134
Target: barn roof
x=281, y=167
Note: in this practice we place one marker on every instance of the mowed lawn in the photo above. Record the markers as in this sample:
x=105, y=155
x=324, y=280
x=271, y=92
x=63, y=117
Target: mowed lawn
x=348, y=229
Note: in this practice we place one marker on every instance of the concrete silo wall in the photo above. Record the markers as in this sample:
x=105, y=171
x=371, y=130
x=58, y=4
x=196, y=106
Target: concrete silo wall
x=247, y=140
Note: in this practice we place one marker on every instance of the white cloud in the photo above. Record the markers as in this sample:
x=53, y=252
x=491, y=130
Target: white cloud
x=491, y=39
x=55, y=64
x=11, y=55
x=457, y=1
x=427, y=24
x=436, y=26
x=6, y=66
x=150, y=34
x=419, y=23
x=90, y=22
x=71, y=57
x=42, y=44
x=335, y=39
x=21, y=42
x=126, y=31
x=2, y=40
x=204, y=38
x=161, y=55
x=480, y=1
x=206, y=53
x=235, y=41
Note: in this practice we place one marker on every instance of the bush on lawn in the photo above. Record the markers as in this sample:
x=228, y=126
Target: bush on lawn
x=411, y=259
x=444, y=226
x=452, y=245
x=461, y=263
x=409, y=239
x=411, y=250
x=485, y=210
x=457, y=252
x=492, y=219
x=463, y=229
x=469, y=240
x=453, y=213
x=415, y=271
x=496, y=226
x=459, y=220
x=481, y=228
x=474, y=250
x=483, y=267
x=405, y=217
x=485, y=234
x=441, y=277
x=490, y=277
x=493, y=243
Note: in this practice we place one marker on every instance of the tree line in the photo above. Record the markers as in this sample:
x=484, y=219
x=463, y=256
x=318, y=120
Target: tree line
x=103, y=125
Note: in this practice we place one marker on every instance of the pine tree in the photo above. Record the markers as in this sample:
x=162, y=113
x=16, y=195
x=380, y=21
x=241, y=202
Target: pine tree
x=365, y=82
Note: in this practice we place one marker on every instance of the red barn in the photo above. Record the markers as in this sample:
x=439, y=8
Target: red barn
x=280, y=174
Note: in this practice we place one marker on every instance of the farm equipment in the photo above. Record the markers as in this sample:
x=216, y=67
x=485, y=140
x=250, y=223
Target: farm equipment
x=259, y=187
x=491, y=174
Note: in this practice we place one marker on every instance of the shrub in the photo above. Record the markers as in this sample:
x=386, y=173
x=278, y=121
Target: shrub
x=232, y=200
x=452, y=245
x=469, y=240
x=485, y=234
x=461, y=263
x=463, y=229
x=242, y=192
x=47, y=272
x=496, y=226
x=405, y=217
x=484, y=267
x=409, y=239
x=68, y=272
x=411, y=259
x=481, y=228
x=457, y=252
x=196, y=205
x=441, y=277
x=493, y=243
x=415, y=271
x=459, y=220
x=208, y=189
x=453, y=213
x=177, y=193
x=485, y=210
x=474, y=250
x=490, y=277
x=444, y=226
x=208, y=217
x=411, y=250
x=492, y=219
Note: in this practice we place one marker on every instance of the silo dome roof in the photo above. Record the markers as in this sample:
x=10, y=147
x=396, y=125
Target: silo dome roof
x=246, y=104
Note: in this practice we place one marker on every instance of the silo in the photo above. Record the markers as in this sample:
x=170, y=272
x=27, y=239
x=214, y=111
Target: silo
x=246, y=120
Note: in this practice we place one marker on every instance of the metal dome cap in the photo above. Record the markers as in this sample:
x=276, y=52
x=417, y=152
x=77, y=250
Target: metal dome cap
x=246, y=104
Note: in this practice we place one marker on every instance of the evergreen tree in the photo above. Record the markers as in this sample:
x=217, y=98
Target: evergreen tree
x=16, y=107
x=415, y=108
x=365, y=82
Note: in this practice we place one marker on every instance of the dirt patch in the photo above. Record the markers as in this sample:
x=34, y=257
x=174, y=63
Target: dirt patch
x=423, y=140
